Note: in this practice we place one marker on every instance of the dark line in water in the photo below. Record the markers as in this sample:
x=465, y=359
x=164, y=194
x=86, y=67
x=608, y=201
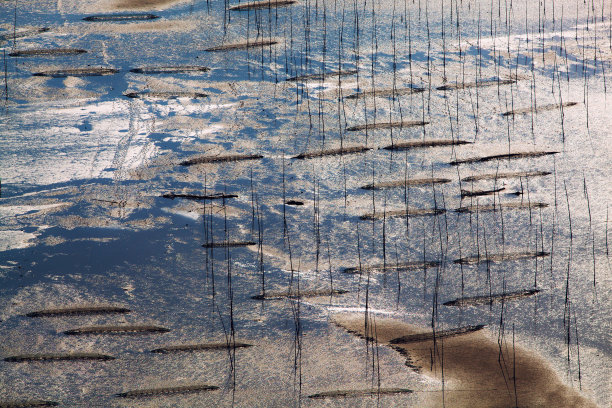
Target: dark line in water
x=321, y=77
x=406, y=183
x=406, y=266
x=386, y=93
x=166, y=95
x=359, y=393
x=200, y=347
x=78, y=310
x=507, y=256
x=43, y=52
x=220, y=159
x=270, y=295
x=242, y=45
x=420, y=212
x=264, y=4
x=128, y=329
x=540, y=108
x=77, y=72
x=27, y=403
x=387, y=125
x=494, y=207
x=478, y=193
x=425, y=143
x=414, y=338
x=489, y=299
x=497, y=176
x=228, y=244
x=216, y=196
x=152, y=392
x=178, y=69
x=58, y=357
x=121, y=17
x=518, y=155
x=332, y=152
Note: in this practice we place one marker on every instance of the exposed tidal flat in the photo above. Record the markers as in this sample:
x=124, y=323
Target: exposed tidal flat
x=286, y=203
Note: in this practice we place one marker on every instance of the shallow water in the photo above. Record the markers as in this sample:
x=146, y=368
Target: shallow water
x=84, y=168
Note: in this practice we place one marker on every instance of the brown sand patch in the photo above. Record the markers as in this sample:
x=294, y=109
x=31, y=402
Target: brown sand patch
x=486, y=374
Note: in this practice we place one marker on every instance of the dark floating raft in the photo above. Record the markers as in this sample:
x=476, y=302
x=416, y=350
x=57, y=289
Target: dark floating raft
x=128, y=329
x=387, y=125
x=220, y=159
x=518, y=155
x=178, y=69
x=509, y=256
x=216, y=196
x=386, y=93
x=465, y=85
x=302, y=294
x=228, y=244
x=407, y=183
x=242, y=45
x=58, y=357
x=413, y=212
x=497, y=176
x=294, y=202
x=322, y=76
x=121, y=17
x=47, y=51
x=360, y=393
x=478, y=193
x=425, y=143
x=405, y=266
x=497, y=207
x=541, y=108
x=332, y=152
x=78, y=310
x=166, y=95
x=415, y=338
x=27, y=403
x=153, y=392
x=77, y=72
x=264, y=4
x=487, y=300
x=24, y=33
x=200, y=347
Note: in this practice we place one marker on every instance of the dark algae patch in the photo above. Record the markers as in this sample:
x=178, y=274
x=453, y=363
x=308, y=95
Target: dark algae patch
x=264, y=4
x=154, y=392
x=22, y=358
x=77, y=72
x=425, y=143
x=127, y=329
x=406, y=183
x=508, y=256
x=228, y=244
x=418, y=337
x=489, y=299
x=242, y=45
x=27, y=403
x=47, y=52
x=23, y=33
x=121, y=17
x=78, y=310
x=496, y=207
x=295, y=295
x=387, y=125
x=518, y=155
x=540, y=108
x=360, y=393
x=414, y=212
x=332, y=152
x=507, y=175
x=200, y=347
x=220, y=159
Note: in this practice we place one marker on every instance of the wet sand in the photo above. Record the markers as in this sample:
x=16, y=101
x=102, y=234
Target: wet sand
x=476, y=374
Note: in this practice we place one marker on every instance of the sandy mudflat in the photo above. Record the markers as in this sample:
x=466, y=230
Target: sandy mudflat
x=476, y=374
